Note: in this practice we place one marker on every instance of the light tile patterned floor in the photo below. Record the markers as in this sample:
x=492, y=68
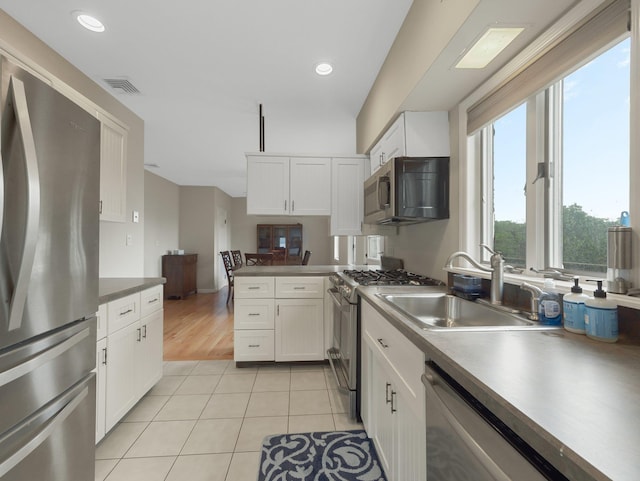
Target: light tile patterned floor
x=205, y=421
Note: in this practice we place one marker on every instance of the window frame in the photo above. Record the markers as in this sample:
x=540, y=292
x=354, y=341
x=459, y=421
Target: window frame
x=471, y=180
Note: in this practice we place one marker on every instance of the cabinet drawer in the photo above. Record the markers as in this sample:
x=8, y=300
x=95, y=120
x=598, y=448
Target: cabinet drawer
x=253, y=287
x=300, y=287
x=253, y=314
x=403, y=356
x=253, y=345
x=122, y=312
x=150, y=300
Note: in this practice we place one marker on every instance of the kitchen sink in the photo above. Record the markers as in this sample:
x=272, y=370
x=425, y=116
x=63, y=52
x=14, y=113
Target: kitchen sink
x=441, y=311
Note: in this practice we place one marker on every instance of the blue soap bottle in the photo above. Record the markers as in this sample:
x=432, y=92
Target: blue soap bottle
x=549, y=306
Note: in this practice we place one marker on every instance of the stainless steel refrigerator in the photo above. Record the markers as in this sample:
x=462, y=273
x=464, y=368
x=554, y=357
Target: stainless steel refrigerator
x=49, y=198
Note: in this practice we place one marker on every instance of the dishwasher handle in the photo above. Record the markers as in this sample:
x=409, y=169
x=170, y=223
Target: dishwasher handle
x=432, y=380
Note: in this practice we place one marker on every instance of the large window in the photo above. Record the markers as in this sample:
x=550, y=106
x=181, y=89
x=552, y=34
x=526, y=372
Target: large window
x=557, y=169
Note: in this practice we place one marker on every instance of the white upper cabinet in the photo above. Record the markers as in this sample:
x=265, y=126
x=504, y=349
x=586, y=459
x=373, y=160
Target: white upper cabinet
x=283, y=185
x=113, y=171
x=347, y=195
x=413, y=134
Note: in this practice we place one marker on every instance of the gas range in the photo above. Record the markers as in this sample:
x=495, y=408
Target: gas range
x=348, y=280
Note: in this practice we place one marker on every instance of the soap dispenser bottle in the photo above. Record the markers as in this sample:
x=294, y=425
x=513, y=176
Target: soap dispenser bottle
x=601, y=316
x=549, y=306
x=573, y=308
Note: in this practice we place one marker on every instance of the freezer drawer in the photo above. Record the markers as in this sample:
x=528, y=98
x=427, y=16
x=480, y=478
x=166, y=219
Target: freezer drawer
x=56, y=442
x=34, y=373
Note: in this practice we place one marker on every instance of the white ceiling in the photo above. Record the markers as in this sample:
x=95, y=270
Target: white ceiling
x=202, y=67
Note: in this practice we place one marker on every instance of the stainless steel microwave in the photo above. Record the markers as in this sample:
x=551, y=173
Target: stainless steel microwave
x=408, y=190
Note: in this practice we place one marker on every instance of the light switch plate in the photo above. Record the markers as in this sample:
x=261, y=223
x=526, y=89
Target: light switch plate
x=135, y=217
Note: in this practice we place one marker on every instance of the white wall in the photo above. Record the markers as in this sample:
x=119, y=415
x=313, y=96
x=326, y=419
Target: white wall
x=161, y=221
x=315, y=231
x=197, y=226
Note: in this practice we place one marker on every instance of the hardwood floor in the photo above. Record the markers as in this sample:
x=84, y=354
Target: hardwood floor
x=199, y=327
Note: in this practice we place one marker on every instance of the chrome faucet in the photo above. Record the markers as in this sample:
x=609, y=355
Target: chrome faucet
x=496, y=269
x=536, y=293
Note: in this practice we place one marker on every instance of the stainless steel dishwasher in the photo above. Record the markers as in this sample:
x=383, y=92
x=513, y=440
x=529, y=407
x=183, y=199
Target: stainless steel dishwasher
x=466, y=441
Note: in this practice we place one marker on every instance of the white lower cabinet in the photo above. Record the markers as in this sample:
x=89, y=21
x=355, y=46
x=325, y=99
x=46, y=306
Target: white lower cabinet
x=393, y=404
x=299, y=330
x=279, y=319
x=129, y=359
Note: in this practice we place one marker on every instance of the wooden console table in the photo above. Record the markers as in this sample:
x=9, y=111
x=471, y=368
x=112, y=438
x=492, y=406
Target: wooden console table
x=180, y=272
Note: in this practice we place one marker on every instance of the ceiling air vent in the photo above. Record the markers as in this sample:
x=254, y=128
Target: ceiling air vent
x=122, y=85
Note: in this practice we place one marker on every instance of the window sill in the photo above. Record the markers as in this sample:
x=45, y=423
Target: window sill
x=561, y=287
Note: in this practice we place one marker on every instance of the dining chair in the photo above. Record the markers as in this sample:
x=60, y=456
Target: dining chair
x=305, y=258
x=228, y=267
x=258, y=259
x=237, y=259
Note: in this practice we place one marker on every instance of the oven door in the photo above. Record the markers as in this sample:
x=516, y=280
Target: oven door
x=343, y=354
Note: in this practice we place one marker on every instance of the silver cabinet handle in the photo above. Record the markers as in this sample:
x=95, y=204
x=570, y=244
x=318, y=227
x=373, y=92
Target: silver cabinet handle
x=254, y=345
x=285, y=205
x=299, y=288
x=278, y=310
x=32, y=220
x=384, y=346
x=253, y=288
x=144, y=334
x=293, y=205
x=393, y=407
x=104, y=356
x=253, y=314
x=386, y=394
x=124, y=313
x=155, y=299
x=139, y=334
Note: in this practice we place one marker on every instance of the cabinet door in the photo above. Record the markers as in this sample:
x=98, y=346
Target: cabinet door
x=310, y=186
x=101, y=387
x=375, y=157
x=113, y=172
x=347, y=196
x=409, y=437
x=380, y=401
x=393, y=140
x=268, y=185
x=299, y=330
x=122, y=392
x=149, y=352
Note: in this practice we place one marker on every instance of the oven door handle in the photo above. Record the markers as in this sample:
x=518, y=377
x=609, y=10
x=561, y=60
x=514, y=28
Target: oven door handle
x=333, y=355
x=335, y=296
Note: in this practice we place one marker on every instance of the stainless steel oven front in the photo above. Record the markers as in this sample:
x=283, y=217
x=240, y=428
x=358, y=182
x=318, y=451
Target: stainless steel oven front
x=343, y=355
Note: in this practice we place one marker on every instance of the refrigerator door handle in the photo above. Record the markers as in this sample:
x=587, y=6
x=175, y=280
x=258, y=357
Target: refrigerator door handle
x=49, y=427
x=32, y=223
x=26, y=367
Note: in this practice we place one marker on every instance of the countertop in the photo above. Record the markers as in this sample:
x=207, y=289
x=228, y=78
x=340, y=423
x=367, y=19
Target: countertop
x=575, y=400
x=111, y=288
x=294, y=270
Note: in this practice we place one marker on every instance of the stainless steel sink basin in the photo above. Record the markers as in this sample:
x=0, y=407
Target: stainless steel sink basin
x=441, y=311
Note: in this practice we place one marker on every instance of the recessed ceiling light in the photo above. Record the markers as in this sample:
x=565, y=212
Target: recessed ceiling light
x=492, y=42
x=324, y=68
x=89, y=22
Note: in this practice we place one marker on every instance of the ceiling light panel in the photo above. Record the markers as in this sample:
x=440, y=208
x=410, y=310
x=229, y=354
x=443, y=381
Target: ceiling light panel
x=492, y=42
x=324, y=68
